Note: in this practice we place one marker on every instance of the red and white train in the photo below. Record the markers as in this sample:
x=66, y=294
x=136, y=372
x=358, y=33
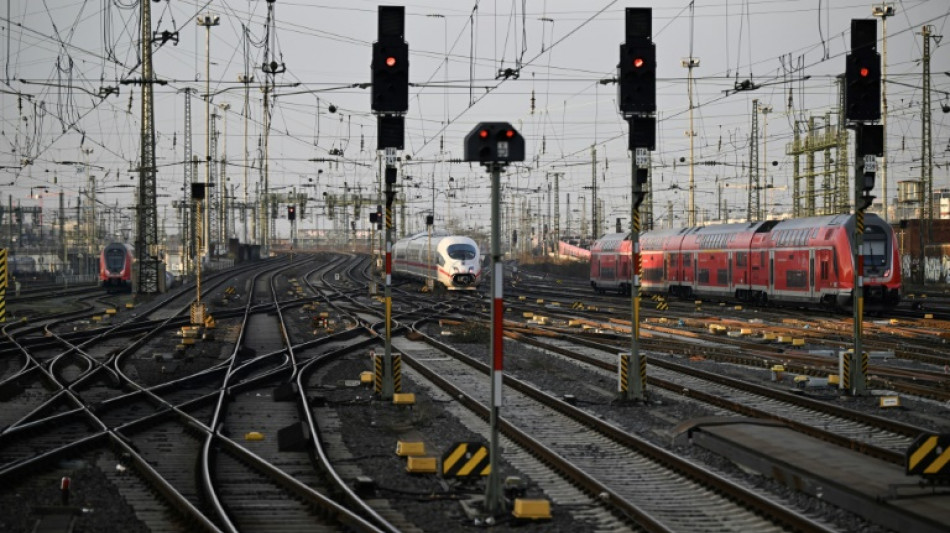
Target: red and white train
x=115, y=267
x=453, y=261
x=798, y=261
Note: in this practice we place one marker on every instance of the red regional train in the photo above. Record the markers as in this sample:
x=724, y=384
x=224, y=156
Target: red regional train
x=115, y=267
x=797, y=261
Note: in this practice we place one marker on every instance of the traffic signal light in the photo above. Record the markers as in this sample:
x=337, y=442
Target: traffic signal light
x=291, y=212
x=390, y=68
x=862, y=74
x=863, y=85
x=637, y=76
x=494, y=142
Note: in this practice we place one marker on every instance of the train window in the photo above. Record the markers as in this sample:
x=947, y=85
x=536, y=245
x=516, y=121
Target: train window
x=796, y=279
x=440, y=259
x=687, y=260
x=824, y=269
x=828, y=234
x=703, y=276
x=722, y=277
x=740, y=259
x=874, y=251
x=461, y=252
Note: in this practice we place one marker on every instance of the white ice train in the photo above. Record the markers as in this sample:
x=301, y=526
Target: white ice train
x=452, y=260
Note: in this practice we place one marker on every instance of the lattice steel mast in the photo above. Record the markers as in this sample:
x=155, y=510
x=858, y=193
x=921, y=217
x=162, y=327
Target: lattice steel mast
x=754, y=201
x=146, y=239
x=188, y=235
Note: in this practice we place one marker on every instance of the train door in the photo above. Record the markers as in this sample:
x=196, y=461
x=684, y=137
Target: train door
x=823, y=276
x=771, y=273
x=693, y=284
x=729, y=284
x=811, y=272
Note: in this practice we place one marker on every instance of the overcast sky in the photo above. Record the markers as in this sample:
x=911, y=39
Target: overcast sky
x=58, y=54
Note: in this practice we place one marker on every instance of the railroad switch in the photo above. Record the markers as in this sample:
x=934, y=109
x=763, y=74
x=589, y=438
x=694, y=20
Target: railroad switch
x=532, y=509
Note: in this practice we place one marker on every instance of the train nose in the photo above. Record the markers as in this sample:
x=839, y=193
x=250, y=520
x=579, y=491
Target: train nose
x=463, y=280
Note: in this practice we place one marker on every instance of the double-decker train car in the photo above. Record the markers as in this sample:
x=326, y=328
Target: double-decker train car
x=115, y=267
x=453, y=261
x=797, y=261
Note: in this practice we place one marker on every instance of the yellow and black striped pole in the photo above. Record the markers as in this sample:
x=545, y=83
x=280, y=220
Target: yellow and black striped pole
x=858, y=385
x=390, y=178
x=3, y=284
x=635, y=386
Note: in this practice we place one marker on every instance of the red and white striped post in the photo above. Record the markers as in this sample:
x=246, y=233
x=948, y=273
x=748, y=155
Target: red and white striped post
x=494, y=496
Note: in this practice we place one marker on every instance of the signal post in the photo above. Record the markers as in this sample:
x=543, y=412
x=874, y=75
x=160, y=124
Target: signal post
x=390, y=101
x=862, y=105
x=494, y=145
x=636, y=88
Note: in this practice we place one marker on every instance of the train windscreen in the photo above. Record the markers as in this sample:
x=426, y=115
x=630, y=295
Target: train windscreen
x=462, y=252
x=874, y=250
x=115, y=259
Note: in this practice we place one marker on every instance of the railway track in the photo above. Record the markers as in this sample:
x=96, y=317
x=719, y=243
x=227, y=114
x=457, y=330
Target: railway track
x=167, y=434
x=645, y=483
x=119, y=397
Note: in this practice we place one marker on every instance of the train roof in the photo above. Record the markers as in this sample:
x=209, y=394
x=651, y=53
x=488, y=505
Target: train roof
x=769, y=225
x=440, y=234
x=813, y=222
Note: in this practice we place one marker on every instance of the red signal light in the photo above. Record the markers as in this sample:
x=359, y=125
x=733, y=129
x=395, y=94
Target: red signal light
x=390, y=61
x=638, y=62
x=864, y=72
x=509, y=133
x=483, y=134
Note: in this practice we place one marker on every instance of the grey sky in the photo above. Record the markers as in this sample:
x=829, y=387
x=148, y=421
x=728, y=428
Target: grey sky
x=564, y=47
